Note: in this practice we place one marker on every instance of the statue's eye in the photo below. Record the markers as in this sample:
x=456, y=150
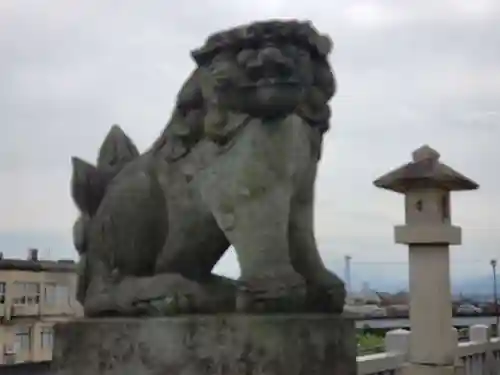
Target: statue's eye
x=244, y=56
x=303, y=54
x=288, y=50
x=295, y=52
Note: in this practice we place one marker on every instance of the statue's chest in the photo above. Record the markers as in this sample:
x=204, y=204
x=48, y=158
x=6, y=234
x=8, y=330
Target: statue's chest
x=264, y=152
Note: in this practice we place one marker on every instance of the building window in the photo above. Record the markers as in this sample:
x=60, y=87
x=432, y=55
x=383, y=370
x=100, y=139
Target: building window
x=49, y=294
x=3, y=290
x=32, y=293
x=62, y=295
x=47, y=338
x=54, y=294
x=23, y=339
x=19, y=294
x=26, y=293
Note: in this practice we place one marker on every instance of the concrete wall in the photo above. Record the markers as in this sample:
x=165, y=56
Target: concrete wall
x=40, y=368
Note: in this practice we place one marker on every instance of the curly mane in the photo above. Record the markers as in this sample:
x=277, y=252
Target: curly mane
x=189, y=122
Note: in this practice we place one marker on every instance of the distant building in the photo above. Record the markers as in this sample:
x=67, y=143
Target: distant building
x=34, y=294
x=366, y=296
x=399, y=298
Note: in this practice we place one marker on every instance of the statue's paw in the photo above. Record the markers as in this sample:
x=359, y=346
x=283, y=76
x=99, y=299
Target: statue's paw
x=173, y=304
x=325, y=293
x=162, y=295
x=171, y=294
x=168, y=294
x=278, y=292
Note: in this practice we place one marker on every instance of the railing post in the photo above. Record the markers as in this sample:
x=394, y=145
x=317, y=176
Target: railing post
x=478, y=333
x=397, y=341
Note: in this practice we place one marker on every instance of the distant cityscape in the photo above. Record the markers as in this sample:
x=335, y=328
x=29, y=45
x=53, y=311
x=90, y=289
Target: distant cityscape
x=369, y=302
x=481, y=286
x=381, y=277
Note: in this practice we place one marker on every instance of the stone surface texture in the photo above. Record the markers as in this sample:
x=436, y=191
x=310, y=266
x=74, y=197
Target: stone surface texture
x=207, y=345
x=235, y=165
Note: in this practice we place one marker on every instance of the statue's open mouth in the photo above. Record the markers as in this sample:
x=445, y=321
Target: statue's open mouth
x=271, y=82
x=266, y=97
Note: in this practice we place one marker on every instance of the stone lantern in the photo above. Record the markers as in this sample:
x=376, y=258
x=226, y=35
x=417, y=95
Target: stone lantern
x=426, y=184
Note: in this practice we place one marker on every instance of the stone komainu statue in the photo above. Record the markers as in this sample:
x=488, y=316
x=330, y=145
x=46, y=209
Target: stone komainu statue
x=235, y=165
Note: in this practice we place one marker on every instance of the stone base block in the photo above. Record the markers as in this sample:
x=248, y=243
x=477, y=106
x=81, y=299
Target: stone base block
x=207, y=345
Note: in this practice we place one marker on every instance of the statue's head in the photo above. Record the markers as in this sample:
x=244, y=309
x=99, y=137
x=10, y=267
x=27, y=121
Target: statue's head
x=267, y=69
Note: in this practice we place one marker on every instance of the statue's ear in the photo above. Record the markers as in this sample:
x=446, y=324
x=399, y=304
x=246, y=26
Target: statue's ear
x=324, y=44
x=190, y=95
x=116, y=150
x=87, y=186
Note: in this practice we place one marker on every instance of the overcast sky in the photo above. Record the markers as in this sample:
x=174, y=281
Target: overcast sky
x=409, y=73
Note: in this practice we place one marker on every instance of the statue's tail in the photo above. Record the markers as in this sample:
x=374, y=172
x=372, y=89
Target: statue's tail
x=80, y=242
x=88, y=187
x=82, y=282
x=89, y=183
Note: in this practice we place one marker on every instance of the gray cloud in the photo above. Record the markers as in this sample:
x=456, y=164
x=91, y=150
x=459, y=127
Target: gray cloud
x=408, y=75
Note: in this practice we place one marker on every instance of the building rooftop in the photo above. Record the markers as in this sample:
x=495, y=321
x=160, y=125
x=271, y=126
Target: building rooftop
x=37, y=265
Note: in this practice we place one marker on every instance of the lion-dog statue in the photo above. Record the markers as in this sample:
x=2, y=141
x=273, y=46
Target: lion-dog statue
x=235, y=166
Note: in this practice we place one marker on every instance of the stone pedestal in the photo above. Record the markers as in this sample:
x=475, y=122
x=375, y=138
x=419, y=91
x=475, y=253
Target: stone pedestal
x=207, y=345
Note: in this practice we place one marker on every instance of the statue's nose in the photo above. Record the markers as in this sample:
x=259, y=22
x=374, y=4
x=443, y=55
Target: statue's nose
x=270, y=62
x=272, y=57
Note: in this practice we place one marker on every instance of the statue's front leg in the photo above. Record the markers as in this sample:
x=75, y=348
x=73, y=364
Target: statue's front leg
x=325, y=290
x=248, y=190
x=259, y=235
